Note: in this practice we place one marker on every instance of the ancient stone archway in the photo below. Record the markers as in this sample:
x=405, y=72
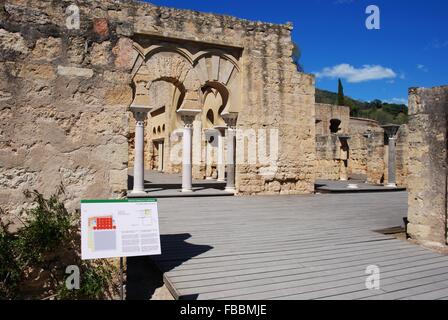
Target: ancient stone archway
x=170, y=78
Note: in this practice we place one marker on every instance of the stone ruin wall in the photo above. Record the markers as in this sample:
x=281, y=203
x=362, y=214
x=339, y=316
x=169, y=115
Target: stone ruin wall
x=64, y=95
x=427, y=168
x=326, y=112
x=366, y=152
x=328, y=146
x=327, y=157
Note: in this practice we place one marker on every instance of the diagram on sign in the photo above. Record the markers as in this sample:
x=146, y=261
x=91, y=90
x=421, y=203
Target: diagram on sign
x=102, y=233
x=119, y=228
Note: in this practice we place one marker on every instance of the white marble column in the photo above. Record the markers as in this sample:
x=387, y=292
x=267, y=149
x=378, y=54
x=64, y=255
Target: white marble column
x=210, y=143
x=231, y=135
x=230, y=119
x=187, y=117
x=187, y=154
x=208, y=160
x=391, y=176
x=391, y=131
x=139, y=152
x=160, y=164
x=221, y=159
x=221, y=166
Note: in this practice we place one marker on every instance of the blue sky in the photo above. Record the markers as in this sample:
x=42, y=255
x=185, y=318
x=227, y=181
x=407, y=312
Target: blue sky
x=410, y=49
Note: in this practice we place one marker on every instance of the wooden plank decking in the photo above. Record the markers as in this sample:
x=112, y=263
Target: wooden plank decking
x=293, y=247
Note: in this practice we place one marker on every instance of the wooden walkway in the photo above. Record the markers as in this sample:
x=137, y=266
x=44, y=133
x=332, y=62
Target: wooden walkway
x=293, y=247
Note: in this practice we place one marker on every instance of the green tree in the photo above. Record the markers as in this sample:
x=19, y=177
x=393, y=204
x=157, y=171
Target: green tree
x=340, y=93
x=296, y=55
x=401, y=118
x=376, y=104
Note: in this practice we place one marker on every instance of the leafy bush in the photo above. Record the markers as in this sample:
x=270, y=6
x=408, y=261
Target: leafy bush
x=10, y=269
x=33, y=258
x=47, y=226
x=95, y=280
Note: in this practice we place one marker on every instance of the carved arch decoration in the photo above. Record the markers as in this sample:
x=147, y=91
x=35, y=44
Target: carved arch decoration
x=171, y=64
x=221, y=71
x=190, y=72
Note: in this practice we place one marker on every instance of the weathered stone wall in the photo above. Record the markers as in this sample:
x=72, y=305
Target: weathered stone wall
x=64, y=95
x=366, y=146
x=328, y=146
x=326, y=112
x=328, y=154
x=427, y=170
x=366, y=150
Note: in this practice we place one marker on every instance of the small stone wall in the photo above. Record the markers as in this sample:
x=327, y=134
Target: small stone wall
x=366, y=150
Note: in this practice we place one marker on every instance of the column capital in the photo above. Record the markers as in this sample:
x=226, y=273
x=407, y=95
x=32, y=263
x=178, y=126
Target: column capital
x=188, y=116
x=391, y=130
x=140, y=112
x=188, y=121
x=230, y=118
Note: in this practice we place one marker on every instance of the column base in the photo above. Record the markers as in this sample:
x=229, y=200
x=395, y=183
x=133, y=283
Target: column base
x=137, y=193
x=230, y=189
x=391, y=185
x=221, y=180
x=187, y=190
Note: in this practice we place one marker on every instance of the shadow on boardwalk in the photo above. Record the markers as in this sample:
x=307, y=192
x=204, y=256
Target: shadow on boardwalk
x=144, y=277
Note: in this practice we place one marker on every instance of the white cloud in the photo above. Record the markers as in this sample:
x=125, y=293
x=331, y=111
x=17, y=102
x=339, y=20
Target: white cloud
x=356, y=75
x=422, y=68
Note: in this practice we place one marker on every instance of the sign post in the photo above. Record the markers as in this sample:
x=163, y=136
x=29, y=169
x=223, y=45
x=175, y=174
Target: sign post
x=119, y=228
x=121, y=279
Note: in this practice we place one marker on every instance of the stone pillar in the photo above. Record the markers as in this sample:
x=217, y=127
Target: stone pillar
x=140, y=115
x=221, y=159
x=186, y=154
x=391, y=134
x=187, y=117
x=210, y=136
x=208, y=160
x=230, y=119
x=427, y=168
x=221, y=165
x=391, y=180
x=343, y=176
x=344, y=158
x=160, y=164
